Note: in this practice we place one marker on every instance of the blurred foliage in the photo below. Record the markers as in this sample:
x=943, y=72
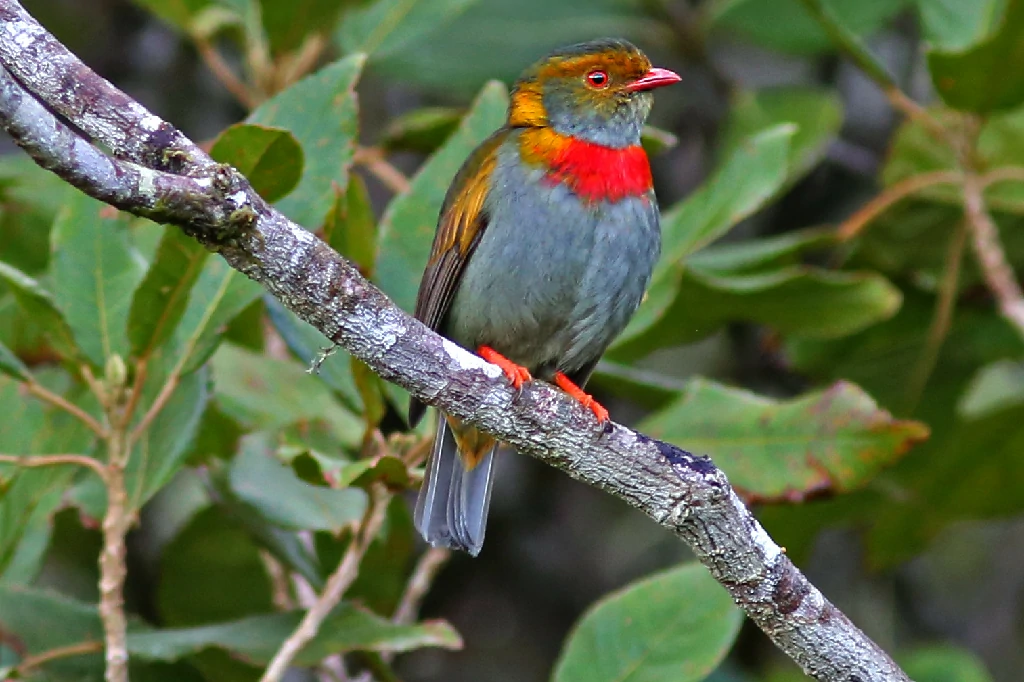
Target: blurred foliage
x=815, y=253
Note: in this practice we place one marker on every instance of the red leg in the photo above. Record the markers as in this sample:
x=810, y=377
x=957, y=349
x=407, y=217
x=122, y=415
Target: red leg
x=587, y=400
x=517, y=374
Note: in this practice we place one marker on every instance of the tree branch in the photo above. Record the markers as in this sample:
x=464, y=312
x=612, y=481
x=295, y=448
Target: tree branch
x=684, y=493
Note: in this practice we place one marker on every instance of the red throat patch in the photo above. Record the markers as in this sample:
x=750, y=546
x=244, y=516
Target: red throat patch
x=594, y=172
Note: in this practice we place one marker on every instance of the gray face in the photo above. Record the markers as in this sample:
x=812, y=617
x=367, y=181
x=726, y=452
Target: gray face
x=615, y=122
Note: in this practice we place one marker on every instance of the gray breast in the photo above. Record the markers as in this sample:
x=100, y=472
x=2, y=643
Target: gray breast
x=553, y=280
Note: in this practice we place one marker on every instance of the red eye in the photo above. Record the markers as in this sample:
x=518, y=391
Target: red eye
x=597, y=79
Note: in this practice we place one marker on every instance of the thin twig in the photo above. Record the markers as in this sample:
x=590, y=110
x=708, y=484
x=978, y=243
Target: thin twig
x=337, y=584
x=113, y=569
x=427, y=568
x=30, y=663
x=1002, y=174
x=849, y=45
x=224, y=73
x=995, y=268
x=942, y=318
x=373, y=160
x=853, y=225
x=43, y=393
x=302, y=61
x=141, y=372
x=166, y=393
x=29, y=461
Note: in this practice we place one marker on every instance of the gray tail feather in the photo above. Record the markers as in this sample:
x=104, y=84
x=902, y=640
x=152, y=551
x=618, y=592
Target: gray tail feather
x=451, y=510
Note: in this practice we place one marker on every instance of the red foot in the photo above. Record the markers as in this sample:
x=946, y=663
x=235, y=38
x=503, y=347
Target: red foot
x=587, y=400
x=517, y=374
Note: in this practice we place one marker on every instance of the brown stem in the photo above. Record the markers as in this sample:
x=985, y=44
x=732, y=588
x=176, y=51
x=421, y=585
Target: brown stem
x=373, y=160
x=303, y=61
x=1002, y=174
x=941, y=320
x=29, y=461
x=113, y=569
x=890, y=196
x=41, y=392
x=427, y=568
x=227, y=77
x=998, y=273
x=30, y=663
x=337, y=584
x=161, y=400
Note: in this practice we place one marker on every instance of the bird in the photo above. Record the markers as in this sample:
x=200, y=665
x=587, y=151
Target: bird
x=544, y=247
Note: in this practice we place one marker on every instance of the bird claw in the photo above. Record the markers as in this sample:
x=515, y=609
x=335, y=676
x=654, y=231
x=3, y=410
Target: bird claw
x=516, y=374
x=585, y=399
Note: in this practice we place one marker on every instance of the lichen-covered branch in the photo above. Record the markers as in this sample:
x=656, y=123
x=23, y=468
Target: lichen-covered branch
x=685, y=493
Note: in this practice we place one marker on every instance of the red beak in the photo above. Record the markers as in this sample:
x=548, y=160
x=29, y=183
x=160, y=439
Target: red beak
x=655, y=78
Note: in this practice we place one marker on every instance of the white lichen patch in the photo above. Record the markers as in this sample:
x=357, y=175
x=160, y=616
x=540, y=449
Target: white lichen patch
x=205, y=183
x=22, y=34
x=768, y=547
x=151, y=123
x=466, y=360
x=239, y=199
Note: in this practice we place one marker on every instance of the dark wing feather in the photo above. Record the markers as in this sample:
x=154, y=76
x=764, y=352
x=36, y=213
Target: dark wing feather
x=459, y=228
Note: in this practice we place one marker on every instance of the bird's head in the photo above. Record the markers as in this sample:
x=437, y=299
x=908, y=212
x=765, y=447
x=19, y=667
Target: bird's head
x=598, y=91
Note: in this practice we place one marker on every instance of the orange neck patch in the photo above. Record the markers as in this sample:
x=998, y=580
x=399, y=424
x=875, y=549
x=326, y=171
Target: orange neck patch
x=594, y=172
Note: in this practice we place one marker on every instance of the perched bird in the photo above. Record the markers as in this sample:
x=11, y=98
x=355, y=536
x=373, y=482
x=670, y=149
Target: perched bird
x=544, y=248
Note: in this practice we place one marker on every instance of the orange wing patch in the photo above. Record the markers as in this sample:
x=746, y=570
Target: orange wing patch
x=459, y=221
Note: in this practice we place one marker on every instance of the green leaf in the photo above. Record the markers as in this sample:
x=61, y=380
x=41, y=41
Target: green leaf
x=748, y=179
x=675, y=626
x=219, y=295
x=282, y=498
x=29, y=497
x=270, y=158
x=384, y=26
x=40, y=306
x=95, y=272
x=817, y=115
x=832, y=440
x=12, y=365
x=265, y=393
x=760, y=255
x=177, y=13
x=160, y=300
x=288, y=22
x=320, y=112
x=421, y=130
x=994, y=387
x=30, y=197
x=306, y=342
x=785, y=24
x=211, y=571
x=408, y=226
x=44, y=620
x=162, y=449
x=954, y=24
x=799, y=300
x=943, y=664
x=977, y=78
x=351, y=228
x=497, y=39
x=256, y=639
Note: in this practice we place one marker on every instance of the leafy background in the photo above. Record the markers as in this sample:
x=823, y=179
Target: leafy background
x=853, y=377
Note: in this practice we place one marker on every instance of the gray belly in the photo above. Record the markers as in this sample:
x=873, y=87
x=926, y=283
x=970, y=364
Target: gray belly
x=552, y=282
